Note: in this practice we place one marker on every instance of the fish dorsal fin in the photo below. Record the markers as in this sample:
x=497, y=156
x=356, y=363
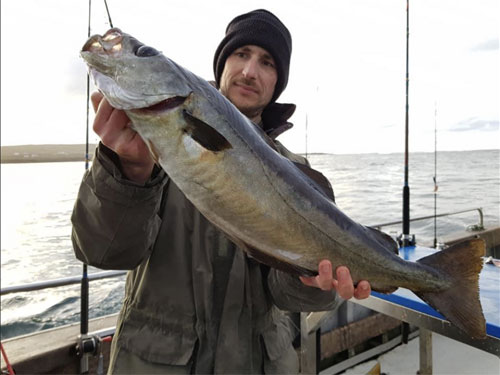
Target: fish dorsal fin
x=320, y=181
x=264, y=136
x=205, y=134
x=385, y=240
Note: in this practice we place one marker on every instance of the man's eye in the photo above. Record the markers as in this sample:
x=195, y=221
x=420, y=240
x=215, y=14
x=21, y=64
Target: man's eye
x=269, y=64
x=240, y=54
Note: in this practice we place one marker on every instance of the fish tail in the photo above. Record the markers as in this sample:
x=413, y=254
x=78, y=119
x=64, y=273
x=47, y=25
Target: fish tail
x=460, y=304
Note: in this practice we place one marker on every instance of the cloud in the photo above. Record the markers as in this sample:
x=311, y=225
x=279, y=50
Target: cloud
x=475, y=124
x=489, y=45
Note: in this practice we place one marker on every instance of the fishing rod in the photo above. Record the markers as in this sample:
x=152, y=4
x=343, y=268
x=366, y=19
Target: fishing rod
x=435, y=176
x=406, y=238
x=84, y=286
x=87, y=344
x=84, y=304
x=85, y=280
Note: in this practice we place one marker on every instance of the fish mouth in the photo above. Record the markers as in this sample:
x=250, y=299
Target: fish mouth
x=102, y=55
x=110, y=42
x=121, y=98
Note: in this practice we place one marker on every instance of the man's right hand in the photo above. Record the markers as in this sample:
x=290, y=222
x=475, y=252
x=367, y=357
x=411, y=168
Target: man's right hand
x=113, y=127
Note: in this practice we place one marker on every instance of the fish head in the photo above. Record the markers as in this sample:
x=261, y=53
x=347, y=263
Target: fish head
x=131, y=74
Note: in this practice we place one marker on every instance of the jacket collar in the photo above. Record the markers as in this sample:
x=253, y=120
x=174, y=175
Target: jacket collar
x=275, y=119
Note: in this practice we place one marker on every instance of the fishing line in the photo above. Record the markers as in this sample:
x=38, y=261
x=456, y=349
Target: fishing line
x=306, y=136
x=109, y=16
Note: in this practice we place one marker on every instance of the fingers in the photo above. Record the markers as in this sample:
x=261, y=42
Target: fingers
x=325, y=275
x=343, y=282
x=109, y=123
x=345, y=285
x=323, y=280
x=309, y=281
x=102, y=116
x=96, y=98
x=362, y=290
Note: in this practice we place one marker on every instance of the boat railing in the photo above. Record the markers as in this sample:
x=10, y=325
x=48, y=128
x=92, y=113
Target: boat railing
x=477, y=227
x=55, y=283
x=108, y=274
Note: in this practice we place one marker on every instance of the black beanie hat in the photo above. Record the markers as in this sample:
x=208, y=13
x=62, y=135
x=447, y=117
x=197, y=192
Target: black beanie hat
x=261, y=28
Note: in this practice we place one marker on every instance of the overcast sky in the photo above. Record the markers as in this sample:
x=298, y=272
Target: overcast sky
x=347, y=73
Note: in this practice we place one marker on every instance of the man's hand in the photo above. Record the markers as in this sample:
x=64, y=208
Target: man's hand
x=343, y=283
x=112, y=126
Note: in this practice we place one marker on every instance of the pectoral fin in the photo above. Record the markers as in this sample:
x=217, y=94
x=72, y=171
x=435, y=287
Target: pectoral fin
x=204, y=134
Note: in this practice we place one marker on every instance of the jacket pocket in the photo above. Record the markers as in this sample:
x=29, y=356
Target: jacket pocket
x=278, y=335
x=165, y=341
x=280, y=357
x=275, y=343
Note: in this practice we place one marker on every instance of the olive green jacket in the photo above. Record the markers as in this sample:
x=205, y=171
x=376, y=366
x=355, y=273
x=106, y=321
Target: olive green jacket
x=174, y=313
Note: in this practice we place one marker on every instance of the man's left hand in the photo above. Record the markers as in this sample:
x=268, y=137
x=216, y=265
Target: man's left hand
x=343, y=283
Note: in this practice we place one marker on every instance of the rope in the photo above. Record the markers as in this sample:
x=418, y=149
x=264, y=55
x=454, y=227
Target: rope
x=4, y=355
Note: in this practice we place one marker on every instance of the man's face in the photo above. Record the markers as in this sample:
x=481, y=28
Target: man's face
x=248, y=79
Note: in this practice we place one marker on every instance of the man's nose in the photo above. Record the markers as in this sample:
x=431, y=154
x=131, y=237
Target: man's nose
x=250, y=69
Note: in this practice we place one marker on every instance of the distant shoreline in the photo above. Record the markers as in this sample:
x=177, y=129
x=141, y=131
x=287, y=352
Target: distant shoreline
x=45, y=153
x=76, y=152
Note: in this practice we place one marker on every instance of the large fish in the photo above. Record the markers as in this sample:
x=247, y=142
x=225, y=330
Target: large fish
x=276, y=210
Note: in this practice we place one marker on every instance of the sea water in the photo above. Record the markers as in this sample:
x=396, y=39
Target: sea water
x=37, y=200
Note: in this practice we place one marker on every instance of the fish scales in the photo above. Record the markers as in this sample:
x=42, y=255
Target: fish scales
x=269, y=207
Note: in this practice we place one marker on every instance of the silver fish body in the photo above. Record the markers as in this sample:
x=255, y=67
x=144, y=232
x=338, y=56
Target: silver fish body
x=265, y=203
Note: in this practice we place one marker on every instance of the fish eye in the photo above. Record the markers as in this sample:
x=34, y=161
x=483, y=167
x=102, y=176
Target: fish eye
x=146, y=51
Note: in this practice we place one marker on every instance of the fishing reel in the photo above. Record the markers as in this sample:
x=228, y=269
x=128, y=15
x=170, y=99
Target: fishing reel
x=406, y=240
x=87, y=345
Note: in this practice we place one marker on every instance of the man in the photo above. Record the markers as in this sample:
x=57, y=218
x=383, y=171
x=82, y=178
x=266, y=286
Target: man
x=194, y=303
